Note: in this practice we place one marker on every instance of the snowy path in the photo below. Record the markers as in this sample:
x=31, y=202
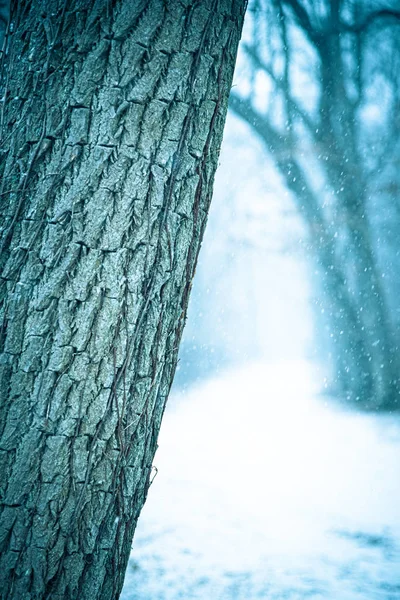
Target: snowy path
x=267, y=492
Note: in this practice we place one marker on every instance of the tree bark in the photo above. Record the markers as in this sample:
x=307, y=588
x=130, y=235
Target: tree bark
x=111, y=127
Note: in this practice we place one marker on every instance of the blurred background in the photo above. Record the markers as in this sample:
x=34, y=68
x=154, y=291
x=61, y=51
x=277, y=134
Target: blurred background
x=278, y=469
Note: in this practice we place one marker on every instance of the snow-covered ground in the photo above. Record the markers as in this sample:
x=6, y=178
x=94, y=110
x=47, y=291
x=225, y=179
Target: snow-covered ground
x=266, y=489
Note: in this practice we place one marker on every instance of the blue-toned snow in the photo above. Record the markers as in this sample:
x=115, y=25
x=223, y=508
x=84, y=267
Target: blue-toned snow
x=267, y=489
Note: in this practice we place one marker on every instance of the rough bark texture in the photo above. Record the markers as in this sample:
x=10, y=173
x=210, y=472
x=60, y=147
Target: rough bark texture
x=111, y=129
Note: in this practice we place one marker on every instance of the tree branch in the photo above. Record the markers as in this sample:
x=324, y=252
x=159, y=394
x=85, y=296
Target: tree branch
x=281, y=85
x=242, y=107
x=303, y=20
x=370, y=20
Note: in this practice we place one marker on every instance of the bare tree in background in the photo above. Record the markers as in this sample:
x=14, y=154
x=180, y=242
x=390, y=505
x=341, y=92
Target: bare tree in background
x=315, y=68
x=111, y=124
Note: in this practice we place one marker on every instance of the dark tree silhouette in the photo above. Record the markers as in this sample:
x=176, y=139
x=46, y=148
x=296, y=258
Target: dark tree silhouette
x=321, y=61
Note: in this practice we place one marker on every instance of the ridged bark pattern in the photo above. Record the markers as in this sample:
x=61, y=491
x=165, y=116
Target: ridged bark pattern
x=111, y=129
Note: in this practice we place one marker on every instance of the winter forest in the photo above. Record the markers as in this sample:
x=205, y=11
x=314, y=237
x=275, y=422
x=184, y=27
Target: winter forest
x=200, y=238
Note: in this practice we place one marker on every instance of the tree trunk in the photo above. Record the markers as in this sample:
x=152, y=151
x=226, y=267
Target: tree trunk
x=362, y=339
x=373, y=378
x=111, y=128
x=353, y=374
x=372, y=312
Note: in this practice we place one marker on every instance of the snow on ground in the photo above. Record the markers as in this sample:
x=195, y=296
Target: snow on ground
x=266, y=490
